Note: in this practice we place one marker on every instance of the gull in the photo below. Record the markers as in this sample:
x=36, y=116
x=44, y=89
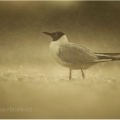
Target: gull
x=74, y=56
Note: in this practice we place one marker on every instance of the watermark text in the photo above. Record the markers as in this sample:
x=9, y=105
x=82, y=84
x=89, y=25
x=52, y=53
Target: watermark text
x=15, y=109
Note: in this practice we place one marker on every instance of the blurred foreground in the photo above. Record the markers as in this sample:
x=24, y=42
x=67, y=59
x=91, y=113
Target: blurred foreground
x=54, y=96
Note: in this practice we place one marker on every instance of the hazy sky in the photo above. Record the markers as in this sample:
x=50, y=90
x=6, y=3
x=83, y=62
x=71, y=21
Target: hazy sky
x=92, y=24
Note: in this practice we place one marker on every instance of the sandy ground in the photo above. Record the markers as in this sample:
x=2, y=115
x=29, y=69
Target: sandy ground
x=33, y=85
x=39, y=95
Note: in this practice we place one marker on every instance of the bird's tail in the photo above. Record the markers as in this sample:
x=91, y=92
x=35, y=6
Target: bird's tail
x=104, y=57
x=111, y=54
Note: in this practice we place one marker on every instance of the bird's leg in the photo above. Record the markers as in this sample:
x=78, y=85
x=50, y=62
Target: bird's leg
x=70, y=75
x=83, y=74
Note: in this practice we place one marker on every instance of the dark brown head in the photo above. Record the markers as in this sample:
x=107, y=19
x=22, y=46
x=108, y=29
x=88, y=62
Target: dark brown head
x=55, y=35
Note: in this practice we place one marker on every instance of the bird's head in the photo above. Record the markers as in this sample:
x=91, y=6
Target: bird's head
x=55, y=35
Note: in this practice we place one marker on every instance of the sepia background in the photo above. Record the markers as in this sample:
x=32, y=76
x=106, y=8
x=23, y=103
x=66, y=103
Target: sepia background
x=29, y=76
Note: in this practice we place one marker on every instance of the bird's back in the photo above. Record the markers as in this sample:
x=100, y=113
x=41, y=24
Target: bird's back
x=75, y=54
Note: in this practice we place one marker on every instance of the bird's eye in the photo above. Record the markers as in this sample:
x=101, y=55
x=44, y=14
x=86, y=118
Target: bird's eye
x=55, y=34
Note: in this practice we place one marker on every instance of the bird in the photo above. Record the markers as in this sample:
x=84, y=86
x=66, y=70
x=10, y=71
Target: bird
x=75, y=56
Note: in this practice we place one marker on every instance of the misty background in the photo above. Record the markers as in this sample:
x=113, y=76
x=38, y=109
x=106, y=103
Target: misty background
x=95, y=25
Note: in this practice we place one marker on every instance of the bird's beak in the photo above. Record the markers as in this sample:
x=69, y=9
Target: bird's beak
x=47, y=33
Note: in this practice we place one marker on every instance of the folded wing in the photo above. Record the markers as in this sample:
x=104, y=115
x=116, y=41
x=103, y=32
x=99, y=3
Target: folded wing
x=111, y=54
x=103, y=57
x=75, y=54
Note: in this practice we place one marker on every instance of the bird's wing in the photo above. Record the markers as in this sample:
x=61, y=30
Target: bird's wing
x=107, y=57
x=75, y=54
x=111, y=54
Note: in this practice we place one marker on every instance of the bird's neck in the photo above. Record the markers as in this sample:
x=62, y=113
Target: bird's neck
x=55, y=45
x=61, y=40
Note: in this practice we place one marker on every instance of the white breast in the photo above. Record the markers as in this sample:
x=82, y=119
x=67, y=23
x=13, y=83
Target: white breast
x=54, y=48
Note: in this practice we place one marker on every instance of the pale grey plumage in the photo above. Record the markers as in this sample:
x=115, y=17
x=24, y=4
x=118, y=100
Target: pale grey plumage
x=75, y=54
